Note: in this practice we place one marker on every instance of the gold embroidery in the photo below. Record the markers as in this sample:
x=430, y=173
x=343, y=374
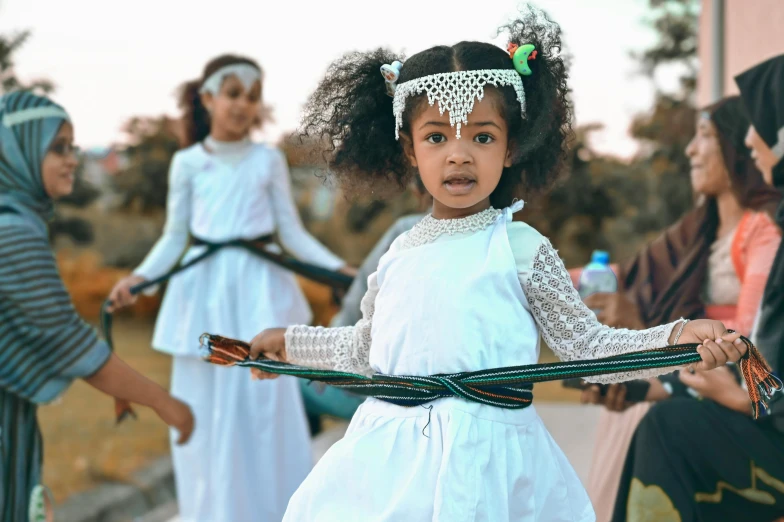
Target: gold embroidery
x=752, y=494
x=650, y=504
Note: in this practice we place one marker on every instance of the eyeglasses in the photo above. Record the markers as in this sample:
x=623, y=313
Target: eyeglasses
x=65, y=149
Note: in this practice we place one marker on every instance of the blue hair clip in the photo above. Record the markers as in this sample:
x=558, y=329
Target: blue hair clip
x=391, y=72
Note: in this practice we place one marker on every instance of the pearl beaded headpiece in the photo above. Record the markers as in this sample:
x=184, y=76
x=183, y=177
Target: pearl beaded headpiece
x=456, y=92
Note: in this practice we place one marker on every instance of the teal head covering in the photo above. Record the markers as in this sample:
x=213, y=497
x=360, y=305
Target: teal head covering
x=28, y=124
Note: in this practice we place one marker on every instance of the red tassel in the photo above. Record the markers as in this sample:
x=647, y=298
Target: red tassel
x=760, y=381
x=225, y=351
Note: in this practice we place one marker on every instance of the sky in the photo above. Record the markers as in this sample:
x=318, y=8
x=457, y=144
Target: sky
x=114, y=60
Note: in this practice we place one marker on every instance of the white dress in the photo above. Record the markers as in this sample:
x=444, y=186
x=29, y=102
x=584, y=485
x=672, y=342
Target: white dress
x=451, y=296
x=251, y=446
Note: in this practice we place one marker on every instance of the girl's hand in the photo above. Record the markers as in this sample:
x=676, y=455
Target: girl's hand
x=720, y=386
x=120, y=295
x=717, y=345
x=348, y=270
x=271, y=344
x=178, y=415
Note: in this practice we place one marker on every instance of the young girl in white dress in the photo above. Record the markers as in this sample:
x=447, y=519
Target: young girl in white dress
x=466, y=289
x=252, y=448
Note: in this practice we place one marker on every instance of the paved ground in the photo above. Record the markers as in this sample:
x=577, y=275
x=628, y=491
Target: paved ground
x=572, y=426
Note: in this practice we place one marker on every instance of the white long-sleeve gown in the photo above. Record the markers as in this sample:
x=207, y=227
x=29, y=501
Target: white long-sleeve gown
x=251, y=448
x=453, y=296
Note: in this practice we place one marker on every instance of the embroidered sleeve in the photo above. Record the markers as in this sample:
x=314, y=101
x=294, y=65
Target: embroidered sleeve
x=344, y=349
x=570, y=329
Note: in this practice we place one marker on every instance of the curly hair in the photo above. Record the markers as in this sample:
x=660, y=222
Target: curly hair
x=195, y=118
x=352, y=110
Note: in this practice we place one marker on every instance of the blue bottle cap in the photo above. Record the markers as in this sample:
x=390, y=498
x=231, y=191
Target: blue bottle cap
x=600, y=256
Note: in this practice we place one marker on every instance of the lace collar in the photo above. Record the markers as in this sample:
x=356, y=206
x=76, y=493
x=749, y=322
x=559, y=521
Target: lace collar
x=430, y=228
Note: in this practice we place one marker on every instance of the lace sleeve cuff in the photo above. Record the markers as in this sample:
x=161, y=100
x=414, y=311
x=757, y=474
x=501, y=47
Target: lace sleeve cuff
x=341, y=349
x=571, y=330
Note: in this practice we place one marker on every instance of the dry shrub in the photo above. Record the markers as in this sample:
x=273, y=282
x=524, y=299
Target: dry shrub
x=89, y=282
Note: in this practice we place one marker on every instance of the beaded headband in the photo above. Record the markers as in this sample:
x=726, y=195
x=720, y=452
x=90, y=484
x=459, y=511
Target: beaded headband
x=245, y=72
x=456, y=92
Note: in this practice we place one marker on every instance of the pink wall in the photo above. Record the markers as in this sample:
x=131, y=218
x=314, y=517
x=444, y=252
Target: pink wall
x=754, y=31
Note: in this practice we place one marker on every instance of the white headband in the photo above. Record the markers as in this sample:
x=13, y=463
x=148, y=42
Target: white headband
x=245, y=72
x=456, y=92
x=35, y=113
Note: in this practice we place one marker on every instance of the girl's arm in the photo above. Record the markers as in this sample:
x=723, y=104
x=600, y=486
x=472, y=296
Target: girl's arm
x=345, y=349
x=168, y=249
x=569, y=327
x=293, y=236
x=763, y=242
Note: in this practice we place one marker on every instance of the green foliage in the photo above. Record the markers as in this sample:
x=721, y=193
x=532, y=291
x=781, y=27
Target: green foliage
x=9, y=44
x=618, y=206
x=144, y=183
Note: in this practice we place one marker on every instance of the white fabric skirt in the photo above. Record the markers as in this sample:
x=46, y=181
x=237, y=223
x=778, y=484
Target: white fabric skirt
x=234, y=294
x=459, y=462
x=250, y=449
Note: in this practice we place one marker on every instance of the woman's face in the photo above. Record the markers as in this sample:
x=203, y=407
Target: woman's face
x=709, y=174
x=234, y=110
x=59, y=164
x=764, y=158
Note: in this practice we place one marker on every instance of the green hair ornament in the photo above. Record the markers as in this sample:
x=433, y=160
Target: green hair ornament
x=521, y=55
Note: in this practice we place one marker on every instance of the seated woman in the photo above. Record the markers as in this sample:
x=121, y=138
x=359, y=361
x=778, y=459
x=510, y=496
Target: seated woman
x=712, y=263
x=739, y=474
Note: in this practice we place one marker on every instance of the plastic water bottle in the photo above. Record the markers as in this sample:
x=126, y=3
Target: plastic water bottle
x=597, y=276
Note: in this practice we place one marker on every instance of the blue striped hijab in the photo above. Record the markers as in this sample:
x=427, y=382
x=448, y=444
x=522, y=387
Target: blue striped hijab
x=28, y=124
x=45, y=344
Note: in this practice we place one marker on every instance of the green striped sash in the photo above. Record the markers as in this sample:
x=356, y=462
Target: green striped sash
x=510, y=387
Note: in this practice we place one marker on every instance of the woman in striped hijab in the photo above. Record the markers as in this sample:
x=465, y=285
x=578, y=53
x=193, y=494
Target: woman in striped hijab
x=45, y=345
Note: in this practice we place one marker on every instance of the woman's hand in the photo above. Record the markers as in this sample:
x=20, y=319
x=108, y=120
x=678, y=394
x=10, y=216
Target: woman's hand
x=717, y=345
x=720, y=386
x=271, y=344
x=121, y=296
x=613, y=400
x=615, y=310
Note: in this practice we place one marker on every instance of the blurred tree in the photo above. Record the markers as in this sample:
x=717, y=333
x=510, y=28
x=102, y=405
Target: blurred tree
x=144, y=183
x=615, y=205
x=9, y=81
x=665, y=131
